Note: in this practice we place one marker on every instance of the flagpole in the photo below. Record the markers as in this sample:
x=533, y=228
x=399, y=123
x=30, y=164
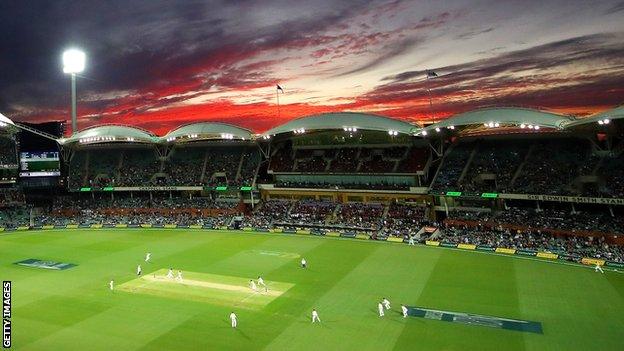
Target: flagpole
x=430, y=100
x=278, y=105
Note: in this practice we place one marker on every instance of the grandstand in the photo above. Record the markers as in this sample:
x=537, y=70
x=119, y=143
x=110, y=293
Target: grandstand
x=224, y=206
x=8, y=151
x=502, y=169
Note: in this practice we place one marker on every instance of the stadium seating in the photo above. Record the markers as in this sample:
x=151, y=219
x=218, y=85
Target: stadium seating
x=194, y=165
x=403, y=219
x=363, y=160
x=577, y=246
x=360, y=215
x=493, y=166
x=452, y=167
x=551, y=167
x=8, y=154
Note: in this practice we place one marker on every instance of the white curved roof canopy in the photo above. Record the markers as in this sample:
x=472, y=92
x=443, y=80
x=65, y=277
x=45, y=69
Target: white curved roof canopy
x=111, y=134
x=207, y=131
x=505, y=116
x=612, y=114
x=340, y=120
x=5, y=120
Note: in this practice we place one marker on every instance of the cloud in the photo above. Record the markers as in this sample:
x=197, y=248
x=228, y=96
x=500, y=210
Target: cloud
x=161, y=63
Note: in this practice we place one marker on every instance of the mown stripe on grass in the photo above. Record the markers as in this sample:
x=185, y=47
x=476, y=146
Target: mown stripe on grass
x=579, y=308
x=329, y=262
x=459, y=282
x=349, y=309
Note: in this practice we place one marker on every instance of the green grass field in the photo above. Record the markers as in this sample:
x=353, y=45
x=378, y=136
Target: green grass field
x=74, y=309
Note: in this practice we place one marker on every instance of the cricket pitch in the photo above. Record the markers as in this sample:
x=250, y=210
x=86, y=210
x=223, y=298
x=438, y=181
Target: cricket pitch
x=209, y=288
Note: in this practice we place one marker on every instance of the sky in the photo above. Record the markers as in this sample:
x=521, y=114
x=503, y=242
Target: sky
x=159, y=64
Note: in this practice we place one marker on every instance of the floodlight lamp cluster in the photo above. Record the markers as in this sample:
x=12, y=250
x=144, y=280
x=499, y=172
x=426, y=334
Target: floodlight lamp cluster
x=393, y=133
x=604, y=121
x=74, y=61
x=299, y=131
x=529, y=126
x=96, y=139
x=350, y=129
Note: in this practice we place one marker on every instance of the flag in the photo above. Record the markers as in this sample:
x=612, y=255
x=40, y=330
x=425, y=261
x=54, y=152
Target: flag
x=431, y=74
x=280, y=88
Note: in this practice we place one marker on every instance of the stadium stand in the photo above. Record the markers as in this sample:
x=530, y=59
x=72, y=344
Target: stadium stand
x=8, y=154
x=370, y=183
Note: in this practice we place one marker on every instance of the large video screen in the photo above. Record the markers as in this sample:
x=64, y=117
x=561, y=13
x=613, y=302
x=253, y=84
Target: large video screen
x=40, y=164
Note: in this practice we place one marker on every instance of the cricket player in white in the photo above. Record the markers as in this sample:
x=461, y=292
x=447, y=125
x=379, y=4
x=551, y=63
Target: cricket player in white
x=233, y=319
x=598, y=269
x=411, y=242
x=315, y=317
x=261, y=283
x=179, y=277
x=404, y=310
x=170, y=273
x=111, y=285
x=139, y=270
x=148, y=256
x=381, y=309
x=252, y=285
x=303, y=263
x=386, y=303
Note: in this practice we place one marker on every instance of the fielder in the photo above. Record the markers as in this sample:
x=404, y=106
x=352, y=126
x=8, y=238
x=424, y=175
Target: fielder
x=179, y=277
x=386, y=303
x=404, y=310
x=303, y=263
x=381, y=309
x=170, y=273
x=233, y=319
x=315, y=317
x=111, y=285
x=252, y=285
x=598, y=269
x=411, y=242
x=261, y=283
x=148, y=256
x=139, y=270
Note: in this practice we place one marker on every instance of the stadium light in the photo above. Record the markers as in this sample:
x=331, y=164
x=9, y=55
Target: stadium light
x=451, y=127
x=437, y=129
x=424, y=132
x=73, y=62
x=522, y=125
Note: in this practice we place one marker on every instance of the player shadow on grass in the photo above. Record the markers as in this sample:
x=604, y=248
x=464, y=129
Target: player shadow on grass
x=391, y=315
x=237, y=330
x=323, y=324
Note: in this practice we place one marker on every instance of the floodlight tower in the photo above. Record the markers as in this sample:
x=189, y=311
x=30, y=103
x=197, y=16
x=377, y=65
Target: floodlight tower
x=73, y=62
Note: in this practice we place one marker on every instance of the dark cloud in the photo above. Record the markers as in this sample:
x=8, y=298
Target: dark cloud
x=535, y=76
x=148, y=57
x=146, y=46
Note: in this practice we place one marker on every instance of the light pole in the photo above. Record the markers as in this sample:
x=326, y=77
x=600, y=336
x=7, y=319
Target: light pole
x=73, y=62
